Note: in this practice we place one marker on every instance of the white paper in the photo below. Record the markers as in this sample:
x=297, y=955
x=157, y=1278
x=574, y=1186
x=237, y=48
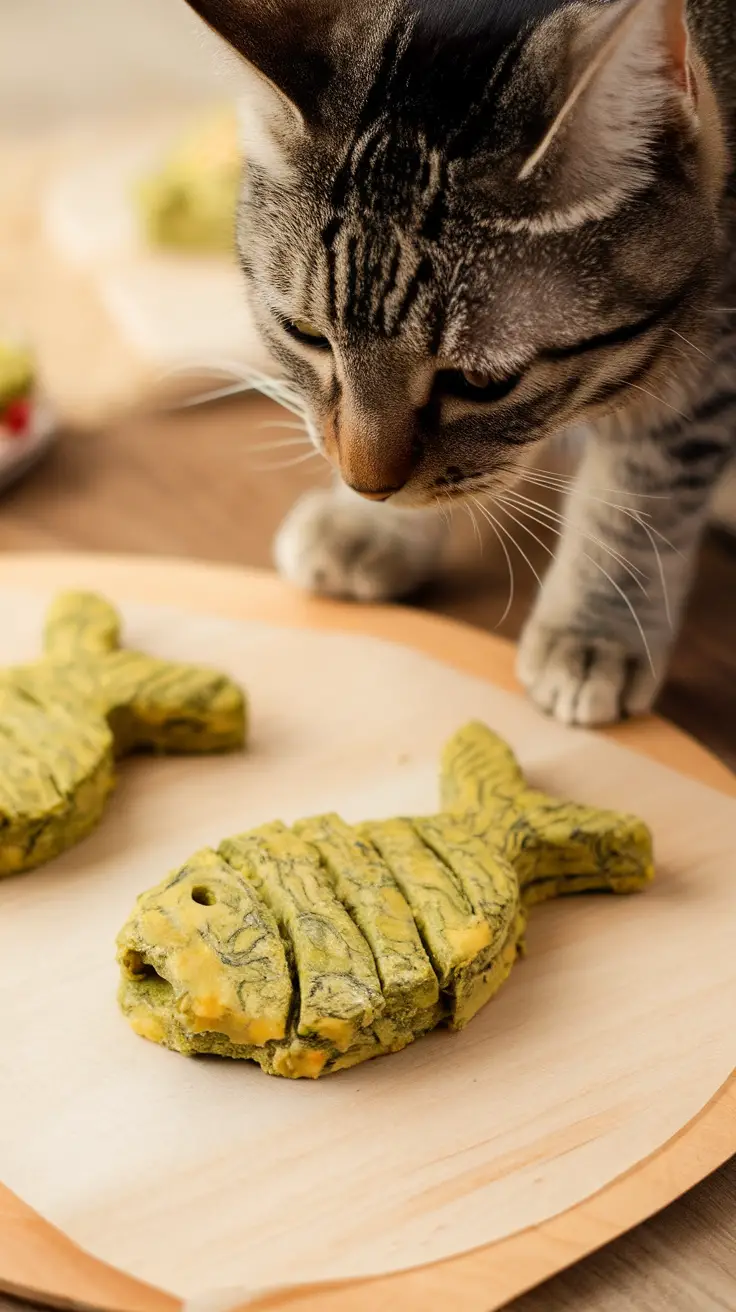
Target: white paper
x=197, y=1175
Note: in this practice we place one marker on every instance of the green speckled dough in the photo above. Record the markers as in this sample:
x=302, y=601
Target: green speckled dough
x=313, y=948
x=65, y=718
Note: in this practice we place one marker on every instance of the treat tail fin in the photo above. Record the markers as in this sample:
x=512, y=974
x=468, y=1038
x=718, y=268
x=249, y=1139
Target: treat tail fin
x=478, y=767
x=81, y=624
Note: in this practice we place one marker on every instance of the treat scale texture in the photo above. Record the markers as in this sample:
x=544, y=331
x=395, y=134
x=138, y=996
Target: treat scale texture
x=65, y=718
x=312, y=948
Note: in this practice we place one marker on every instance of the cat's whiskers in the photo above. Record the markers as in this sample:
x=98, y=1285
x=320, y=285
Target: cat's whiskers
x=637, y=387
x=244, y=380
x=660, y=567
x=249, y=380
x=474, y=522
x=215, y=366
x=214, y=394
x=638, y=516
x=651, y=532
x=498, y=529
x=280, y=423
x=286, y=464
x=568, y=481
x=509, y=563
x=567, y=485
x=693, y=346
x=444, y=512
x=637, y=575
x=277, y=446
x=565, y=488
x=597, y=565
x=549, y=483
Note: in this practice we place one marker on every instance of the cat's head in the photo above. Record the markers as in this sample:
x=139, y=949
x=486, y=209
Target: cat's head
x=467, y=224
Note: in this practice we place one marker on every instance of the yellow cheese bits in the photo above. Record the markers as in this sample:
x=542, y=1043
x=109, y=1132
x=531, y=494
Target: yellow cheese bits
x=312, y=948
x=66, y=717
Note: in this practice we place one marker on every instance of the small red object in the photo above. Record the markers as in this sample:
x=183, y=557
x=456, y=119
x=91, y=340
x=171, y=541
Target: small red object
x=17, y=418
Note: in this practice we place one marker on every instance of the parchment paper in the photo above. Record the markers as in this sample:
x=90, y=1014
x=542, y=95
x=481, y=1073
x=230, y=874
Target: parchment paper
x=199, y=1174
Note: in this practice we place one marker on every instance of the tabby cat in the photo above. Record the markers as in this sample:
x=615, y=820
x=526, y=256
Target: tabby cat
x=467, y=225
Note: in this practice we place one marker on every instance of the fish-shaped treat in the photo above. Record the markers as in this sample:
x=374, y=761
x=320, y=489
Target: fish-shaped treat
x=66, y=717
x=311, y=948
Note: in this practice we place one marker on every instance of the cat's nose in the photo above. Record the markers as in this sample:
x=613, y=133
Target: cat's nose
x=376, y=459
x=375, y=494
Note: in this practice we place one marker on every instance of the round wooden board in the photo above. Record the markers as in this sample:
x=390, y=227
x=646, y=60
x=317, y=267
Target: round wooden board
x=38, y=1261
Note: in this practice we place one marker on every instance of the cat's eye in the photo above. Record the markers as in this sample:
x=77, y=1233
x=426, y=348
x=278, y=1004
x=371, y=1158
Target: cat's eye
x=305, y=332
x=473, y=385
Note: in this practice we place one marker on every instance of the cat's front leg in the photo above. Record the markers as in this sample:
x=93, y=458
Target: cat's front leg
x=599, y=639
x=335, y=543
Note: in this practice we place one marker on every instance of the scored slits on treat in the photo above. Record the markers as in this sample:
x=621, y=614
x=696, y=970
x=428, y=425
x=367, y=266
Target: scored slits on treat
x=65, y=744
x=488, y=880
x=483, y=942
x=365, y=885
x=340, y=992
x=453, y=935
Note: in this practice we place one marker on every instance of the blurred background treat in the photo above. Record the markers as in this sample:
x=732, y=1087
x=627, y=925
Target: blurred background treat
x=118, y=185
x=187, y=201
x=118, y=173
x=26, y=424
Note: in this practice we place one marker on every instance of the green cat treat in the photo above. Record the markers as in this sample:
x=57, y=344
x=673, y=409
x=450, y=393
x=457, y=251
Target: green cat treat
x=189, y=203
x=65, y=718
x=17, y=374
x=17, y=388
x=311, y=948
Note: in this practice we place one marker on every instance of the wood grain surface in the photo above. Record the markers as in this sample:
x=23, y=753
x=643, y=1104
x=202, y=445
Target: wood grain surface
x=475, y=1281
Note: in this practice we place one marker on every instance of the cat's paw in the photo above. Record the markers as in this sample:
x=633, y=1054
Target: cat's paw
x=341, y=546
x=582, y=679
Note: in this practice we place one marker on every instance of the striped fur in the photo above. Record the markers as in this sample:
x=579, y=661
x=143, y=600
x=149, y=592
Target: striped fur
x=526, y=194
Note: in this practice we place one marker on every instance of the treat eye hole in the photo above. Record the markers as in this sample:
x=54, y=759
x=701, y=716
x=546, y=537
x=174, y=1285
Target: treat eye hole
x=204, y=896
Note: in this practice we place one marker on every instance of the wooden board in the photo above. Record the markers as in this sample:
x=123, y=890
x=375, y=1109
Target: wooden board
x=494, y=1273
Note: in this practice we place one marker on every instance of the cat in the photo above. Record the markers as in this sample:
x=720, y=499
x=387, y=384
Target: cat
x=466, y=226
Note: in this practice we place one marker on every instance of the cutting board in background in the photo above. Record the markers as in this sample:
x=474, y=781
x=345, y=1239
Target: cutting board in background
x=168, y=307
x=589, y=1093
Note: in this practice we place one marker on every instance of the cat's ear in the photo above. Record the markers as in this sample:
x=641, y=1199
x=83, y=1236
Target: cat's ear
x=281, y=49
x=629, y=66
